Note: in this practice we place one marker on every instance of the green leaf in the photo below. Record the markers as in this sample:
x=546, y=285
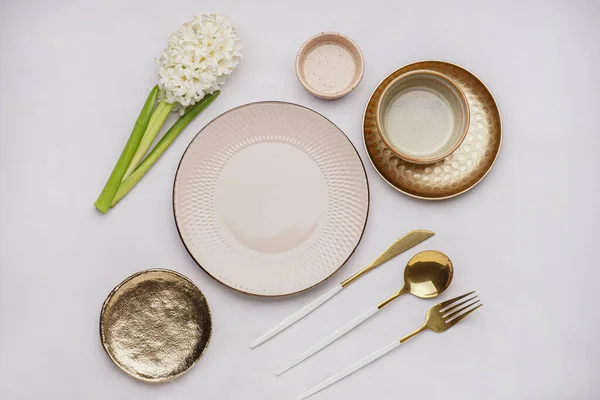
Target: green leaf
x=159, y=116
x=164, y=143
x=110, y=188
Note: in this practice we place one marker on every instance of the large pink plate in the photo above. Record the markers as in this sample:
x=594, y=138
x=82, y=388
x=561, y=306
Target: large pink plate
x=271, y=198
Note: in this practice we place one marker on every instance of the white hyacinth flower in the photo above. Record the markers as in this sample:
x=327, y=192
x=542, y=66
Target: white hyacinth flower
x=198, y=59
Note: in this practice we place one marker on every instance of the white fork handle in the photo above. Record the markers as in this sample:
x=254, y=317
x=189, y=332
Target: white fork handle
x=329, y=339
x=349, y=370
x=298, y=315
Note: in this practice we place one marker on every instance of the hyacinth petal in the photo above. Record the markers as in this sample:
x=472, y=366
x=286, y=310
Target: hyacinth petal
x=198, y=59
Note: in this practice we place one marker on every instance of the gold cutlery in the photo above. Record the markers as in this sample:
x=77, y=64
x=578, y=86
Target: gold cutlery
x=406, y=242
x=426, y=275
x=439, y=318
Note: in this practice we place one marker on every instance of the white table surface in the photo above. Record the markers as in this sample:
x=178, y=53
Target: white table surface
x=73, y=76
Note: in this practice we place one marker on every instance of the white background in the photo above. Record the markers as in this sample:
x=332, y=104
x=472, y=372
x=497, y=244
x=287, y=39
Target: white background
x=73, y=76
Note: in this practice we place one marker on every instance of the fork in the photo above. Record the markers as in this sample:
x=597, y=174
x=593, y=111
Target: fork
x=439, y=318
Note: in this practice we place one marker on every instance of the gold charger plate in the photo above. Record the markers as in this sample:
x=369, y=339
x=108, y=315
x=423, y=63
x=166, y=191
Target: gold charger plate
x=462, y=169
x=155, y=325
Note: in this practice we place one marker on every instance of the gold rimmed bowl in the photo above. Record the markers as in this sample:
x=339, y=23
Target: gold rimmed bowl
x=422, y=116
x=461, y=170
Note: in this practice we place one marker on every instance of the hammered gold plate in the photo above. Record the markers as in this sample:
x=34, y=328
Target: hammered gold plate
x=155, y=325
x=462, y=169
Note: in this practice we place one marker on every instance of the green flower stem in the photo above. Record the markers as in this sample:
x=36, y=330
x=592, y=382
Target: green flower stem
x=129, y=182
x=156, y=122
x=112, y=184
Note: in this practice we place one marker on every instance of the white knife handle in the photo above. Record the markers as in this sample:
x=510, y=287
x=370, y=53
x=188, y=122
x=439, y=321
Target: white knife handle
x=329, y=339
x=298, y=315
x=349, y=370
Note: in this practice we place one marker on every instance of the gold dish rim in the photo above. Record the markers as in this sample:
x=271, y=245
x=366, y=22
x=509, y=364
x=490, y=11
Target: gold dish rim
x=104, y=341
x=414, y=195
x=349, y=255
x=396, y=151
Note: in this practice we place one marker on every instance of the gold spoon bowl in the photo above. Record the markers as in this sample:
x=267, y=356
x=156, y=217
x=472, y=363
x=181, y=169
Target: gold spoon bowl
x=428, y=274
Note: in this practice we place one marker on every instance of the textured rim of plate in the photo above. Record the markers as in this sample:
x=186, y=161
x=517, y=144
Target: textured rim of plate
x=361, y=233
x=116, y=289
x=405, y=192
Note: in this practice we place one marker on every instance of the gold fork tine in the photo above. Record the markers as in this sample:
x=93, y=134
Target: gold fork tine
x=448, y=302
x=455, y=306
x=460, y=317
x=455, y=313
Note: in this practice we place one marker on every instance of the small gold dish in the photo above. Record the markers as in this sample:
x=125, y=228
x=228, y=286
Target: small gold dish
x=461, y=170
x=422, y=116
x=155, y=325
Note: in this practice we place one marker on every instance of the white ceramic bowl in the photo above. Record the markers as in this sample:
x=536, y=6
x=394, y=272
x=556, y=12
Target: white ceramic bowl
x=422, y=116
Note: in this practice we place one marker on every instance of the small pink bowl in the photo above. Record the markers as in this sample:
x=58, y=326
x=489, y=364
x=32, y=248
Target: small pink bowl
x=329, y=65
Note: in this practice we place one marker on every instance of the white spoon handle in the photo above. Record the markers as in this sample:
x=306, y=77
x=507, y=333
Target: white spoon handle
x=298, y=315
x=349, y=370
x=329, y=339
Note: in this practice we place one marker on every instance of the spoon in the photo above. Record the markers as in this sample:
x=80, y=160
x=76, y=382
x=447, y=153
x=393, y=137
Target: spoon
x=426, y=275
